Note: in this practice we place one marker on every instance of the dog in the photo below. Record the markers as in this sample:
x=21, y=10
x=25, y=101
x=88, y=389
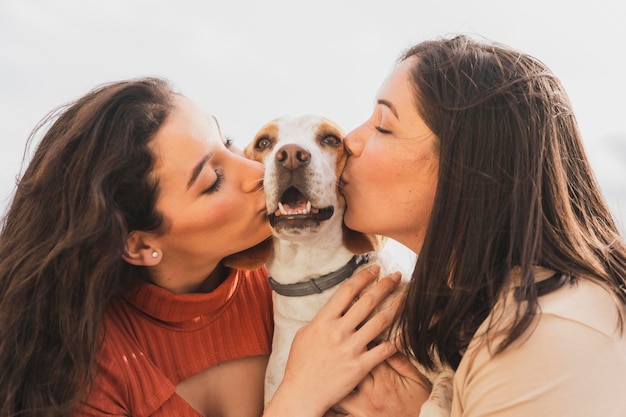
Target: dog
x=312, y=251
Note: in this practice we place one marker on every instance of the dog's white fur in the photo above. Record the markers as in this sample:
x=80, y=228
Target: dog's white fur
x=307, y=153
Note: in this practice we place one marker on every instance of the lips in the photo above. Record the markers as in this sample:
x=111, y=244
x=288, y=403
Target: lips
x=342, y=184
x=294, y=207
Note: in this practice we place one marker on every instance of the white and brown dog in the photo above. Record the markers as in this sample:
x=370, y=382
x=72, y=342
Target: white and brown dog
x=312, y=250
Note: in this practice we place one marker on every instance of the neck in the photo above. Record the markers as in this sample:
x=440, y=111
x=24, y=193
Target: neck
x=215, y=278
x=179, y=280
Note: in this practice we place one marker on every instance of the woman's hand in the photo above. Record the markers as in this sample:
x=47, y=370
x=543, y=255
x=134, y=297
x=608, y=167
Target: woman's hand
x=330, y=356
x=393, y=388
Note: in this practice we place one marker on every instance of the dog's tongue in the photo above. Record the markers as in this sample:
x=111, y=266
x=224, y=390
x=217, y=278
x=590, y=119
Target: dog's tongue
x=301, y=205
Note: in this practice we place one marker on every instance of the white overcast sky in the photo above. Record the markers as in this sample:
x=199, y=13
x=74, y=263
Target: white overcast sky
x=247, y=62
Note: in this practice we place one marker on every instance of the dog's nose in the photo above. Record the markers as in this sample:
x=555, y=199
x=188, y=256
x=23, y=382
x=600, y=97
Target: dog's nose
x=292, y=157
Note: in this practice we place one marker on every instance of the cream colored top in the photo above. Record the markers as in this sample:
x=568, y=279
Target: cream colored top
x=572, y=364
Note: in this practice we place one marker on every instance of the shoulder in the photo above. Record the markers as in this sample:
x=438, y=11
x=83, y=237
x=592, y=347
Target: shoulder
x=126, y=381
x=586, y=303
x=574, y=351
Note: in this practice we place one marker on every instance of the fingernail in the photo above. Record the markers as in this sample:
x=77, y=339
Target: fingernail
x=396, y=276
x=374, y=269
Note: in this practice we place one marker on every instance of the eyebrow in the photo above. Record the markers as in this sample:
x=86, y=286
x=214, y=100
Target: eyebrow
x=216, y=122
x=197, y=170
x=388, y=104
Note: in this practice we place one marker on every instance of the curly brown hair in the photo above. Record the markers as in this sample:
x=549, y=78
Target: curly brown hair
x=86, y=187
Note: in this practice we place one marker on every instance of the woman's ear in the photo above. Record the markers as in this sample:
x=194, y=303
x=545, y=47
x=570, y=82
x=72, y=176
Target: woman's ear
x=140, y=251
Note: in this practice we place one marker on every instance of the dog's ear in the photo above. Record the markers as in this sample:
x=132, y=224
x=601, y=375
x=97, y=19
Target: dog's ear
x=247, y=151
x=252, y=258
x=360, y=243
x=256, y=256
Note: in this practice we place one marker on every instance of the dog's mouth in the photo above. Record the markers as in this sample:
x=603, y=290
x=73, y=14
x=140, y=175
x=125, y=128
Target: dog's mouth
x=295, y=208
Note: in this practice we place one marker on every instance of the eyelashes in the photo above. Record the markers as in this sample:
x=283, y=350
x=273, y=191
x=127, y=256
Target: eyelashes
x=219, y=175
x=217, y=184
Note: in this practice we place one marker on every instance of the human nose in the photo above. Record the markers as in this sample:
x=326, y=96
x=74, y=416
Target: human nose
x=354, y=143
x=252, y=175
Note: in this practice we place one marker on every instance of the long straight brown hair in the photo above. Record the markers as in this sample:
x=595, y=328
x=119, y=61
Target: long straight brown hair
x=515, y=190
x=85, y=188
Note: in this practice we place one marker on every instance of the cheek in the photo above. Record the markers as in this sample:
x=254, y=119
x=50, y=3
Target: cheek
x=370, y=178
x=236, y=219
x=225, y=213
x=389, y=180
x=205, y=218
x=378, y=166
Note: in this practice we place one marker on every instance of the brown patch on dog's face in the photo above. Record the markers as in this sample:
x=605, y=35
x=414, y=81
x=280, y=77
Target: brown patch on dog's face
x=263, y=142
x=331, y=137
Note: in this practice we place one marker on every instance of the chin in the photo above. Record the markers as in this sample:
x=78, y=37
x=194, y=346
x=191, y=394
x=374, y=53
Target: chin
x=353, y=223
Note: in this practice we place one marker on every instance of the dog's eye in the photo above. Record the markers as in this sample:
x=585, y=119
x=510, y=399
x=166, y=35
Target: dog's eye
x=331, y=140
x=262, y=143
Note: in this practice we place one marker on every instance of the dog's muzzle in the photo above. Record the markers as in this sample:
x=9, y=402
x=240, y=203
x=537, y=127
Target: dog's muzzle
x=294, y=208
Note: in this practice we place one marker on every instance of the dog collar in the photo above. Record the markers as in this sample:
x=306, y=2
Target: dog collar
x=320, y=284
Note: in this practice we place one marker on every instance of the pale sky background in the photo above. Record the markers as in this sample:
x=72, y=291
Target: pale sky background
x=248, y=62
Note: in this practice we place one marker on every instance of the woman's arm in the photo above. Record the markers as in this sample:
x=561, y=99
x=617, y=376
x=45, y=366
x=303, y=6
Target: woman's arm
x=330, y=356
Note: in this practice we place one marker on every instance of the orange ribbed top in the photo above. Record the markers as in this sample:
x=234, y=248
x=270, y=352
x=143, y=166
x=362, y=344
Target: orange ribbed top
x=154, y=339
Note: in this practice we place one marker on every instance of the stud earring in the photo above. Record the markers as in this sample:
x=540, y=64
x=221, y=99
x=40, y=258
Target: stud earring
x=155, y=254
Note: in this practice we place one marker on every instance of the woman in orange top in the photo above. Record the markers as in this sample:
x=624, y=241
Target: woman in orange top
x=115, y=294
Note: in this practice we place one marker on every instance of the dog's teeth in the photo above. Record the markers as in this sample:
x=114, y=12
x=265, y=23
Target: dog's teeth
x=308, y=207
x=282, y=208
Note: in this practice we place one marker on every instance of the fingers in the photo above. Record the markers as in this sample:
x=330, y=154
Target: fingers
x=401, y=364
x=378, y=354
x=348, y=291
x=361, y=310
x=373, y=296
x=385, y=391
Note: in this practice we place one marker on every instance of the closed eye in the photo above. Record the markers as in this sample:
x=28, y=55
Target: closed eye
x=383, y=131
x=215, y=187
